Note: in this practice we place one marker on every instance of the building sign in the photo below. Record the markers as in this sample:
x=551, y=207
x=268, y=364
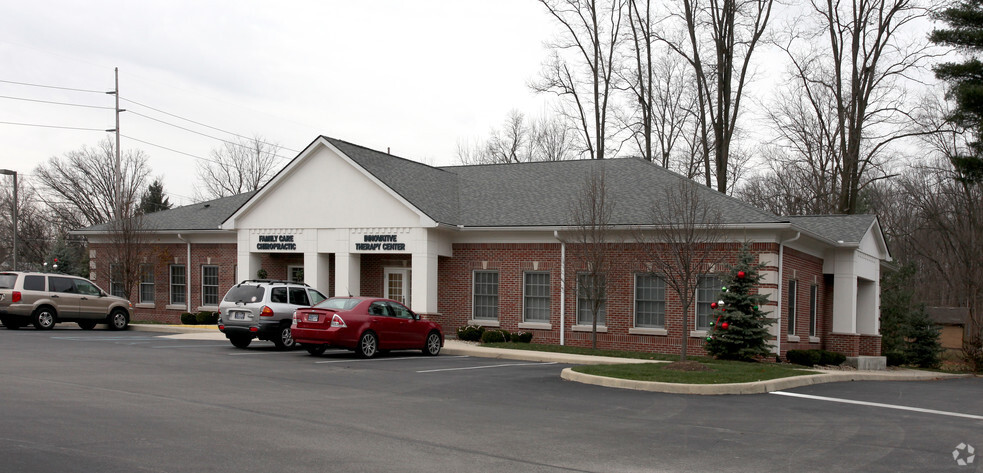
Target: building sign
x=276, y=243
x=379, y=243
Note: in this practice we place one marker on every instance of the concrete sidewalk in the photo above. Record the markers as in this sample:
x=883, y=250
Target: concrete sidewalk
x=457, y=347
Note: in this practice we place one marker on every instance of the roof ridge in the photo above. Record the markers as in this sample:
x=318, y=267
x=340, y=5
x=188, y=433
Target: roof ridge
x=389, y=155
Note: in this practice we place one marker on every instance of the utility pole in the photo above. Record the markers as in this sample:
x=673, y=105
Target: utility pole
x=119, y=171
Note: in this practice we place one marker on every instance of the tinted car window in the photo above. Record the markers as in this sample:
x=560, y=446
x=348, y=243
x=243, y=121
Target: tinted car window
x=339, y=303
x=378, y=308
x=278, y=295
x=33, y=283
x=316, y=297
x=60, y=284
x=85, y=287
x=298, y=296
x=400, y=311
x=7, y=281
x=245, y=294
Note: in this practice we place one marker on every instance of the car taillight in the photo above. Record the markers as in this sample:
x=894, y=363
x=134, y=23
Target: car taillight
x=266, y=312
x=15, y=296
x=294, y=323
x=337, y=321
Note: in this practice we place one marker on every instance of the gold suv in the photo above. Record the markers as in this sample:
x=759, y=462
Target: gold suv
x=45, y=299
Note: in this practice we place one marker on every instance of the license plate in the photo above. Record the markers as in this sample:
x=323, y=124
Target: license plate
x=312, y=317
x=238, y=315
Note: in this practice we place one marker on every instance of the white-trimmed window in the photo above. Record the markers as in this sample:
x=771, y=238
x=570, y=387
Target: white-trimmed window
x=586, y=294
x=116, y=280
x=179, y=284
x=650, y=301
x=792, y=286
x=209, y=284
x=536, y=298
x=485, y=295
x=707, y=292
x=813, y=309
x=295, y=274
x=146, y=284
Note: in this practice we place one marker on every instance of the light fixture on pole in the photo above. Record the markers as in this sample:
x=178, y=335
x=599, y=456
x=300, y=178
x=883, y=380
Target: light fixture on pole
x=8, y=172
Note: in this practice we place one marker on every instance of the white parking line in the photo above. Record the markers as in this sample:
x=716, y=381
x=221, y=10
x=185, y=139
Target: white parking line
x=877, y=404
x=263, y=353
x=488, y=366
x=191, y=346
x=388, y=359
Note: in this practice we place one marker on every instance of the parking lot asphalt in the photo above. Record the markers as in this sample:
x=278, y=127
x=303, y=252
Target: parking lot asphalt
x=456, y=347
x=105, y=401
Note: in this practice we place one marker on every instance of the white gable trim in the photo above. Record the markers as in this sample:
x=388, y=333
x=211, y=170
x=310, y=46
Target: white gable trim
x=230, y=223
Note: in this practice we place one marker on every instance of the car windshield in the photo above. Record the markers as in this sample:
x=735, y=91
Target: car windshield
x=245, y=294
x=7, y=280
x=339, y=303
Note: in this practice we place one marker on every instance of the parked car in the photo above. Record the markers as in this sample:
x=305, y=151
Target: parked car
x=366, y=325
x=45, y=299
x=263, y=309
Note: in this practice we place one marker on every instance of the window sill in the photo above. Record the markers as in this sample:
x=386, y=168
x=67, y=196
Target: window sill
x=698, y=333
x=144, y=305
x=589, y=328
x=176, y=307
x=813, y=339
x=209, y=308
x=647, y=331
x=793, y=338
x=535, y=326
x=484, y=323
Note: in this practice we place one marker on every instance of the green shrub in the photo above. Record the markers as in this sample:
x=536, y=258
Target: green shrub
x=831, y=358
x=803, y=357
x=207, y=318
x=895, y=358
x=188, y=318
x=506, y=335
x=493, y=336
x=470, y=333
x=522, y=337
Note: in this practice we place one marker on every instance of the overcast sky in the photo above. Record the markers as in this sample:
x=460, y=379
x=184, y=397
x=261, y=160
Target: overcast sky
x=415, y=77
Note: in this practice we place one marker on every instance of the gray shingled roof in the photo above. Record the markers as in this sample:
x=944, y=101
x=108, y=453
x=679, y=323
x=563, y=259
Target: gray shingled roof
x=195, y=217
x=835, y=228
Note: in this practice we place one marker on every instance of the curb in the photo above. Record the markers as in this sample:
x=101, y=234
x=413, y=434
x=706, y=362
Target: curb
x=174, y=328
x=757, y=387
x=453, y=347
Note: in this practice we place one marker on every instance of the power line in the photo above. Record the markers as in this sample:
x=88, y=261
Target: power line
x=53, y=126
x=171, y=149
x=53, y=87
x=202, y=134
x=199, y=123
x=55, y=103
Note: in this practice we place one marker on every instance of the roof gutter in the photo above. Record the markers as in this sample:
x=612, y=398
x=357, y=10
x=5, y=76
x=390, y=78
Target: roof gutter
x=781, y=282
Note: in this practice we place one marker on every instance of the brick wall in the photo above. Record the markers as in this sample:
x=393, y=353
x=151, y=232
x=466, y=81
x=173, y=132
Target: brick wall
x=807, y=271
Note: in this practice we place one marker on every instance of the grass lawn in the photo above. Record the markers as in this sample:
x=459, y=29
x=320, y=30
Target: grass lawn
x=720, y=372
x=588, y=351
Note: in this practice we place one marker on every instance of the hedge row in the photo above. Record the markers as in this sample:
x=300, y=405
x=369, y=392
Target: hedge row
x=201, y=318
x=815, y=357
x=474, y=333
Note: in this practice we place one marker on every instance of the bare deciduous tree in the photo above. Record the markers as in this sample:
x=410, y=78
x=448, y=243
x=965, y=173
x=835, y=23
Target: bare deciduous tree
x=238, y=166
x=35, y=233
x=581, y=68
x=681, y=245
x=590, y=245
x=520, y=140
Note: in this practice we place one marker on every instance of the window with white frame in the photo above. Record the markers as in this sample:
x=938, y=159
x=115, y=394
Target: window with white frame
x=792, y=286
x=590, y=290
x=813, y=309
x=650, y=301
x=146, y=284
x=296, y=274
x=209, y=284
x=116, y=280
x=536, y=301
x=485, y=295
x=178, y=279
x=707, y=292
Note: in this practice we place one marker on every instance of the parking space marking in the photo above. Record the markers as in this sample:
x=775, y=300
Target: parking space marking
x=488, y=366
x=191, y=346
x=104, y=339
x=263, y=353
x=388, y=359
x=877, y=404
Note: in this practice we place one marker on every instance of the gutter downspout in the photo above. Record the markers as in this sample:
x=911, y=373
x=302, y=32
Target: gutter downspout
x=187, y=274
x=563, y=284
x=781, y=284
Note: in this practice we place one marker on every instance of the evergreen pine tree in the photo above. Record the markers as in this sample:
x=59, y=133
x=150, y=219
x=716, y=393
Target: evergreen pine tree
x=153, y=199
x=908, y=335
x=739, y=330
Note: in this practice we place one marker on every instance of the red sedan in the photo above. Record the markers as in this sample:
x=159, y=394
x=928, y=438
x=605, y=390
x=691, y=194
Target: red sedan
x=366, y=325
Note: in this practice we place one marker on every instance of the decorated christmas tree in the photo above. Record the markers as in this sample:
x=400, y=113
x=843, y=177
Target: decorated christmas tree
x=739, y=328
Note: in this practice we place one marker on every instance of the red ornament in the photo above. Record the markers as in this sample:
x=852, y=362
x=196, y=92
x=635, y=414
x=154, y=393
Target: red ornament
x=713, y=305
x=724, y=325
x=741, y=274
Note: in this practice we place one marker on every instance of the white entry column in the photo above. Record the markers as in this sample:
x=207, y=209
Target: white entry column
x=424, y=275
x=347, y=274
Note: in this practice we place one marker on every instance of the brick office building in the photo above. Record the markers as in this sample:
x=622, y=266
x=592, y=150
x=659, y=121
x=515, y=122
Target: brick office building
x=493, y=245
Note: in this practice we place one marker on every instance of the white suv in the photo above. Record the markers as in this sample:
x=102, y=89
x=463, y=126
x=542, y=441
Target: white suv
x=263, y=309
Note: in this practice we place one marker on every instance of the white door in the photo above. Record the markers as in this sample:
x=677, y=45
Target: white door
x=396, y=284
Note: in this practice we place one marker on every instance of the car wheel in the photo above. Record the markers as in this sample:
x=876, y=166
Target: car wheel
x=44, y=318
x=368, y=345
x=284, y=340
x=316, y=350
x=432, y=347
x=87, y=325
x=118, y=320
x=240, y=342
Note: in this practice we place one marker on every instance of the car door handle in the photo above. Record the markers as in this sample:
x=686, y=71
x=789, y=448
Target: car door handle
x=54, y=296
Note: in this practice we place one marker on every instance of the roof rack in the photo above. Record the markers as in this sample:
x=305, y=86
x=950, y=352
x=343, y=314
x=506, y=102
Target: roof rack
x=272, y=281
